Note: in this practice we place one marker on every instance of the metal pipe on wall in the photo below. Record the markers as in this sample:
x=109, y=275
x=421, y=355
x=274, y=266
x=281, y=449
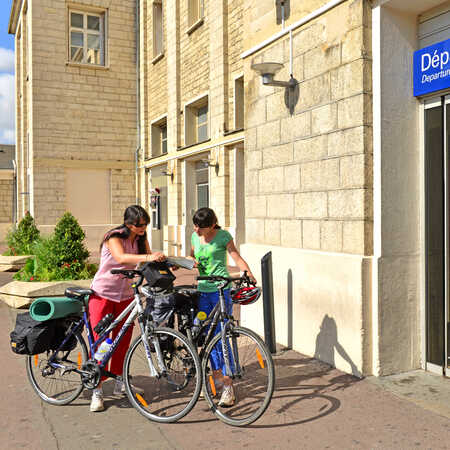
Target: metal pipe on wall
x=138, y=98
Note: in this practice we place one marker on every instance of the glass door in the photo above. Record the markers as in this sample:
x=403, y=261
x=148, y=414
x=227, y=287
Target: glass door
x=436, y=124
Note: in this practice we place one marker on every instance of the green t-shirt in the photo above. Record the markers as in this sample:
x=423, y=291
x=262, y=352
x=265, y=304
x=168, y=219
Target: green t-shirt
x=212, y=258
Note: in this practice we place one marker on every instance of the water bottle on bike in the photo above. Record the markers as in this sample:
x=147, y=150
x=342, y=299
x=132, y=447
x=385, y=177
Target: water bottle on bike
x=103, y=349
x=198, y=320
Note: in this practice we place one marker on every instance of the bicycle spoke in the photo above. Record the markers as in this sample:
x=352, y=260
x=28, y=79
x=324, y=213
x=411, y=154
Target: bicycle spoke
x=253, y=377
x=172, y=394
x=57, y=386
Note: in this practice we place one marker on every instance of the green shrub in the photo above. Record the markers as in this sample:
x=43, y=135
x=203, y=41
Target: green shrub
x=21, y=239
x=61, y=256
x=68, y=246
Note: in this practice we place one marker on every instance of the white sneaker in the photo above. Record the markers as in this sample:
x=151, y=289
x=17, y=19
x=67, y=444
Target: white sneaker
x=228, y=398
x=97, y=401
x=119, y=388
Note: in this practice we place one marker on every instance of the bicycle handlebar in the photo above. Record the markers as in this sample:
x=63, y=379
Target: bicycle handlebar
x=243, y=279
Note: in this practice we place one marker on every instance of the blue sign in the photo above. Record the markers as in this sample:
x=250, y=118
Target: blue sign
x=432, y=68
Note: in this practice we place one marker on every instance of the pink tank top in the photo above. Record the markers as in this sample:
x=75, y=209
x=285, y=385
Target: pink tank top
x=109, y=286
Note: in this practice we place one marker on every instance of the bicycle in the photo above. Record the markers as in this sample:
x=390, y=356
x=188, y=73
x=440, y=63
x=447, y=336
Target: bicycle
x=162, y=363
x=247, y=359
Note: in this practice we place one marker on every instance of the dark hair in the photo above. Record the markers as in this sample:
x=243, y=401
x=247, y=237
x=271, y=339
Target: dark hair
x=204, y=218
x=132, y=216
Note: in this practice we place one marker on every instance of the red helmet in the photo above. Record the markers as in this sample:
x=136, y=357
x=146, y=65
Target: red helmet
x=246, y=295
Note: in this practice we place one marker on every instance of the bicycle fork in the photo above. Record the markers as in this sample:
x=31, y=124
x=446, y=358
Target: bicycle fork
x=155, y=342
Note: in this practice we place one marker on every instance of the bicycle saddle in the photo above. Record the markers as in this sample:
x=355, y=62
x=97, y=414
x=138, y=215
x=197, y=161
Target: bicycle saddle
x=77, y=293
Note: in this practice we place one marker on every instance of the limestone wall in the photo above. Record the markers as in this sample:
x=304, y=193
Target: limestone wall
x=309, y=175
x=71, y=115
x=199, y=61
x=309, y=183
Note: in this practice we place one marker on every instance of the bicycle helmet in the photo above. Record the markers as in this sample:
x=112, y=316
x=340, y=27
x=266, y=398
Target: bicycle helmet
x=246, y=295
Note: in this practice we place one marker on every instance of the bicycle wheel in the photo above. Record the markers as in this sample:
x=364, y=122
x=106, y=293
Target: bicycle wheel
x=170, y=395
x=253, y=377
x=58, y=386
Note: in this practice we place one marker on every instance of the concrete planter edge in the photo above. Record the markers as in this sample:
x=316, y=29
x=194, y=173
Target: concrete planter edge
x=20, y=294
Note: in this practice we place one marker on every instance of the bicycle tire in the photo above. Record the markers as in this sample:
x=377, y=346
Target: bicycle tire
x=169, y=397
x=253, y=387
x=56, y=386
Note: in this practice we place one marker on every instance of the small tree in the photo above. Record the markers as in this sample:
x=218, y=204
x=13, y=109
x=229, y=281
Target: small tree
x=67, y=242
x=21, y=239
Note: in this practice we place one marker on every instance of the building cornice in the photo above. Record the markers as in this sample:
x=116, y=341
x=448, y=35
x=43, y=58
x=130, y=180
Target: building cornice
x=14, y=16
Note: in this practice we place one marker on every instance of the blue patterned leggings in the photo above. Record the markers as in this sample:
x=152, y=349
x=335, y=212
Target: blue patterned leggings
x=206, y=303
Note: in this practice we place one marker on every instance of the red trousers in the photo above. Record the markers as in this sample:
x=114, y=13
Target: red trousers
x=98, y=308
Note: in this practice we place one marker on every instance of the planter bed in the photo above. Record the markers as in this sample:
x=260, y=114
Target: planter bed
x=20, y=294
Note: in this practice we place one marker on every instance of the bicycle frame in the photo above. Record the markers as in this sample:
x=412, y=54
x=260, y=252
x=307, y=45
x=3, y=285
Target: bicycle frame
x=218, y=316
x=133, y=310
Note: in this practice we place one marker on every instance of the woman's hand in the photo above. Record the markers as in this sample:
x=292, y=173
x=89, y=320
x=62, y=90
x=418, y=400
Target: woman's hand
x=252, y=277
x=156, y=257
x=193, y=259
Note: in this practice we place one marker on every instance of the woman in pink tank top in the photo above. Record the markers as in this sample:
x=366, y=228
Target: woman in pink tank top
x=122, y=248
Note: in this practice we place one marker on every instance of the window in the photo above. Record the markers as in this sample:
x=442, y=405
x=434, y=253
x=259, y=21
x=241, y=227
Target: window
x=239, y=103
x=158, y=28
x=195, y=11
x=202, y=185
x=87, y=38
x=196, y=122
x=202, y=123
x=159, y=137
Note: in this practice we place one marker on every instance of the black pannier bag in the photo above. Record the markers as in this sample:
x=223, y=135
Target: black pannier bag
x=161, y=308
x=158, y=275
x=62, y=327
x=31, y=337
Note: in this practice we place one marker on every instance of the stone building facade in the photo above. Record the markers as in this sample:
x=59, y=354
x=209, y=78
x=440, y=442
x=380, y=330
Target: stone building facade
x=344, y=181
x=309, y=177
x=343, y=191
x=192, y=102
x=76, y=110
x=331, y=186
x=7, y=178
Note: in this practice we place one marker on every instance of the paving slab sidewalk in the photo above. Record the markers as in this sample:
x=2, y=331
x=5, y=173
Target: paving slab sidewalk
x=314, y=407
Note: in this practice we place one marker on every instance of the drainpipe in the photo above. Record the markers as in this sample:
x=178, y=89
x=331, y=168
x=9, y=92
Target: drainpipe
x=138, y=99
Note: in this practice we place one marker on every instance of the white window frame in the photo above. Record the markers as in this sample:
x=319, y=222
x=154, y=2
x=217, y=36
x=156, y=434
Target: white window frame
x=191, y=120
x=156, y=136
x=158, y=28
x=85, y=31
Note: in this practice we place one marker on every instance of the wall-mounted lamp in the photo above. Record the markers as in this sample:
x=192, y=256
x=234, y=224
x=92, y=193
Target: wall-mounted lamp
x=168, y=174
x=210, y=163
x=267, y=71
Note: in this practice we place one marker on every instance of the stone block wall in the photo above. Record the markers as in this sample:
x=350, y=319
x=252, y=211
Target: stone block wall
x=156, y=86
x=6, y=200
x=309, y=175
x=74, y=115
x=202, y=60
x=235, y=33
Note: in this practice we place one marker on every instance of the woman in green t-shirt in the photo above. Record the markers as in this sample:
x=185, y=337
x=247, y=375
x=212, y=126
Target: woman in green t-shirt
x=210, y=245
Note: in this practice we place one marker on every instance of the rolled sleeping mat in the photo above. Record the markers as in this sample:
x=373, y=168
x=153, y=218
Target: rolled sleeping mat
x=47, y=308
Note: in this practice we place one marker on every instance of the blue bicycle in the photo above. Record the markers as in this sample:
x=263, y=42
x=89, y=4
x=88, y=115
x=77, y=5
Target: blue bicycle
x=162, y=363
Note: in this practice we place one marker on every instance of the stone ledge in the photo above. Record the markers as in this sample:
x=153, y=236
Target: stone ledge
x=12, y=263
x=20, y=294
